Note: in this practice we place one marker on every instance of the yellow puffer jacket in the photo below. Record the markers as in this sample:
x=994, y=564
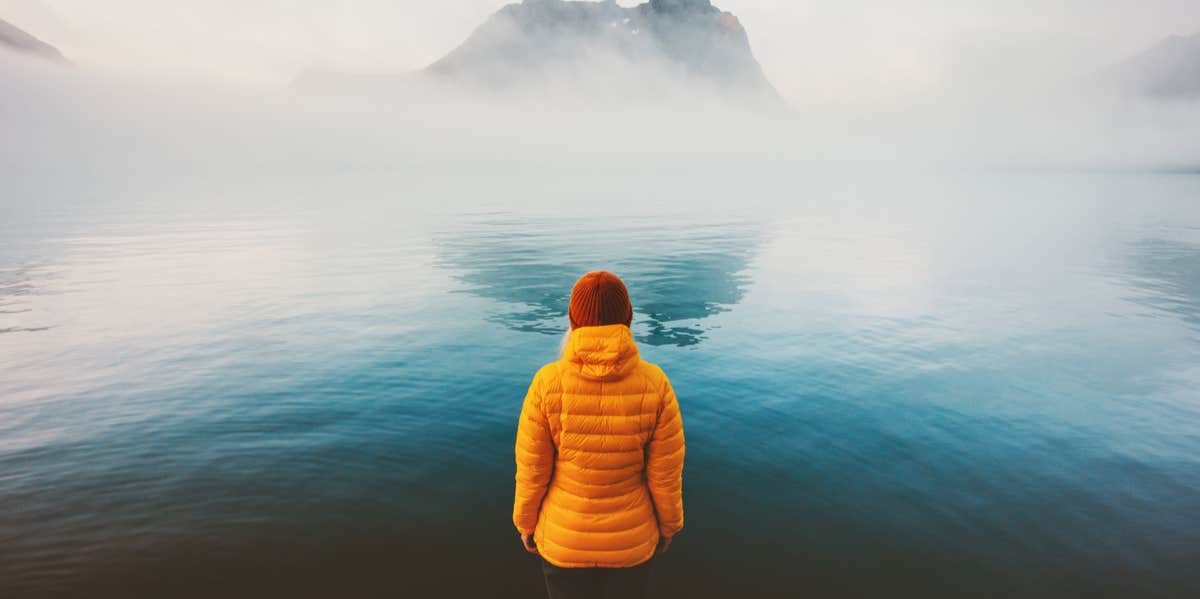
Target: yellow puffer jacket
x=599, y=455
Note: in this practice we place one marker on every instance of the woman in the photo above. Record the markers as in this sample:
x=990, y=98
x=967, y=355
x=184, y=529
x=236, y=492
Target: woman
x=599, y=454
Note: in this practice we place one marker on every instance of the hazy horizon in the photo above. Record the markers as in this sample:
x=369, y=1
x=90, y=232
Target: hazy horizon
x=817, y=52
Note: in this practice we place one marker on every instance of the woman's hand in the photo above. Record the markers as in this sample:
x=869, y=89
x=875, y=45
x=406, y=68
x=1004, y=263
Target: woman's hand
x=664, y=543
x=527, y=541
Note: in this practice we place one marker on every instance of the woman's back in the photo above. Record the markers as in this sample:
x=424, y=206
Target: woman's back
x=600, y=452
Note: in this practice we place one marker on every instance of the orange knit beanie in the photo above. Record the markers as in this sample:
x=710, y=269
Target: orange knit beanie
x=598, y=299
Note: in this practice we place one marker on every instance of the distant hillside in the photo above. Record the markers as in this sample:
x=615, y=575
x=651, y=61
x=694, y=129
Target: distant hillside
x=14, y=39
x=1170, y=69
x=554, y=38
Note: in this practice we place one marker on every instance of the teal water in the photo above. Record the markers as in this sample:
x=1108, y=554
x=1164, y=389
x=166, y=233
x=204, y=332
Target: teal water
x=983, y=385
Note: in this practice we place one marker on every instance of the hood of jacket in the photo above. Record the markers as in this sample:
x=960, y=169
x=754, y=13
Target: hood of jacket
x=602, y=353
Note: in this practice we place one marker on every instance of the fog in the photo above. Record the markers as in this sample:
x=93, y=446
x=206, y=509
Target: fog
x=616, y=118
x=817, y=50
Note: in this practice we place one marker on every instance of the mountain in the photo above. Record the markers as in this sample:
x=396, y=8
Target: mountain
x=575, y=39
x=1170, y=69
x=14, y=39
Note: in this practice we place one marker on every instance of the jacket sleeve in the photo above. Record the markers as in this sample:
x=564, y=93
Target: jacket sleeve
x=664, y=465
x=535, y=460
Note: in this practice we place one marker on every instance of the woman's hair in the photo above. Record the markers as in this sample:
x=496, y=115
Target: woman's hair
x=562, y=346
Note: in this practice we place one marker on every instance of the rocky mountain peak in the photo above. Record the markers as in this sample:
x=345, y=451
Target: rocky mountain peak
x=15, y=39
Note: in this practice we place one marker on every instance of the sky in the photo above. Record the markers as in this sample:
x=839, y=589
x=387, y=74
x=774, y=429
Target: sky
x=818, y=50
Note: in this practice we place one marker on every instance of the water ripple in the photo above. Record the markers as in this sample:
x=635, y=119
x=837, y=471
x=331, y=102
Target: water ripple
x=1164, y=274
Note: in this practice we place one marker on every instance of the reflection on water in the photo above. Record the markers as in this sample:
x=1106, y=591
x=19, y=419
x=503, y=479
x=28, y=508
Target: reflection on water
x=679, y=273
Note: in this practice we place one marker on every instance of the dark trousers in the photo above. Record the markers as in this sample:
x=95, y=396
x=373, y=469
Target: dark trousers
x=596, y=583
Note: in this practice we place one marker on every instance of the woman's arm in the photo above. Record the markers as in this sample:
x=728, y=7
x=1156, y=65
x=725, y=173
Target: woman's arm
x=535, y=460
x=664, y=465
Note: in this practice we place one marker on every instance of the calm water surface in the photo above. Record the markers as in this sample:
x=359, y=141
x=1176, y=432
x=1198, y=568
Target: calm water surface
x=983, y=385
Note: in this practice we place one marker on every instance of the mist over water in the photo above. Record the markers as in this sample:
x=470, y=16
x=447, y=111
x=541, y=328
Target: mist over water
x=606, y=113
x=275, y=342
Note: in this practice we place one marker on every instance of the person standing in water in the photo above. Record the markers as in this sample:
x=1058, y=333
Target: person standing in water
x=599, y=485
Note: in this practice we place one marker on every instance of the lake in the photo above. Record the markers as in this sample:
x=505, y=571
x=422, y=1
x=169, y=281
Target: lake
x=956, y=384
